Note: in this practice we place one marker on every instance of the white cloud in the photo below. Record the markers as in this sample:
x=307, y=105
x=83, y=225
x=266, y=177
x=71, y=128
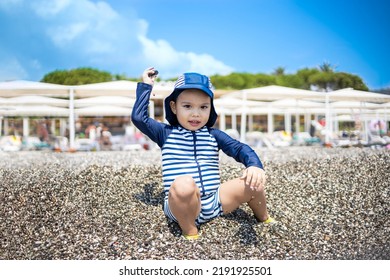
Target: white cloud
x=93, y=31
x=207, y=64
x=94, y=34
x=172, y=62
x=160, y=53
x=12, y=69
x=106, y=36
x=52, y=8
x=64, y=34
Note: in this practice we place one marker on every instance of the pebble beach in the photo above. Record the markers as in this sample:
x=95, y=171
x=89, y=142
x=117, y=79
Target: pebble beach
x=331, y=204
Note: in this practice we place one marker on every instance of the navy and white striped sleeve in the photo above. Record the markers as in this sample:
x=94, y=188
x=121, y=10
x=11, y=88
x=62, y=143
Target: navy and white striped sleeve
x=155, y=130
x=239, y=151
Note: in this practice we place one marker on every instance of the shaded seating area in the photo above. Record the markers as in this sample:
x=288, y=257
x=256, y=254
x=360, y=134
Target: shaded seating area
x=35, y=115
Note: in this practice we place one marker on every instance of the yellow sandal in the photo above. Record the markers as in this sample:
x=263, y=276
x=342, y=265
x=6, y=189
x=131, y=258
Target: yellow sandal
x=191, y=237
x=269, y=221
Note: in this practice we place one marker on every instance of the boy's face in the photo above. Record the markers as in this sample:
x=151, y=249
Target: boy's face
x=192, y=109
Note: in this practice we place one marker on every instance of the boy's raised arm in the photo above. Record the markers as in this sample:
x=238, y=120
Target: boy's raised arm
x=140, y=116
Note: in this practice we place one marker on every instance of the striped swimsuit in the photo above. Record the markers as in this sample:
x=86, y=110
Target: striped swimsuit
x=194, y=153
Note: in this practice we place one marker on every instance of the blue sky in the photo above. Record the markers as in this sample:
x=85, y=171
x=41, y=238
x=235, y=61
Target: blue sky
x=207, y=36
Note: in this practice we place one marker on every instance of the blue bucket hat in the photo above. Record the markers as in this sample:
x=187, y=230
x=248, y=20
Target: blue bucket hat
x=190, y=81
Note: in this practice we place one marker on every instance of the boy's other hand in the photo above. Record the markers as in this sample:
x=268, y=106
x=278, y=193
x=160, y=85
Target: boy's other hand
x=254, y=178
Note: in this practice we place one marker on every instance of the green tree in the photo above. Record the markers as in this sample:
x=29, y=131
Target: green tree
x=336, y=80
x=279, y=71
x=326, y=78
x=262, y=80
x=305, y=74
x=79, y=76
x=327, y=67
x=344, y=80
x=324, y=81
x=323, y=77
x=231, y=81
x=242, y=80
x=292, y=80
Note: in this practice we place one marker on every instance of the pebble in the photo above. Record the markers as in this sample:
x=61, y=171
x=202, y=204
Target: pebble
x=331, y=203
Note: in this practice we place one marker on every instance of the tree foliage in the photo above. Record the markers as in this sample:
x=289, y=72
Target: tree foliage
x=327, y=67
x=323, y=78
x=279, y=71
x=79, y=76
x=242, y=80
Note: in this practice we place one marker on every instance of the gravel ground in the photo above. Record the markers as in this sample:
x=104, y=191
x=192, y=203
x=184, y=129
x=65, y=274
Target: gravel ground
x=332, y=203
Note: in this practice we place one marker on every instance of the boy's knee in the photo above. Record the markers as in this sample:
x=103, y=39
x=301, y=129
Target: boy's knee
x=184, y=181
x=183, y=187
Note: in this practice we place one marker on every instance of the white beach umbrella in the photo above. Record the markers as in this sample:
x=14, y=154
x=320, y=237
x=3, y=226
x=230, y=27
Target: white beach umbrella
x=33, y=111
x=34, y=100
x=22, y=87
x=122, y=101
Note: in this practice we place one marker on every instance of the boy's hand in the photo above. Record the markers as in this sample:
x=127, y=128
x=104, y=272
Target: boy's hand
x=254, y=178
x=148, y=77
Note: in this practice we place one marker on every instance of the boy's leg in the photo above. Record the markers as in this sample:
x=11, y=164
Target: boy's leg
x=234, y=192
x=184, y=203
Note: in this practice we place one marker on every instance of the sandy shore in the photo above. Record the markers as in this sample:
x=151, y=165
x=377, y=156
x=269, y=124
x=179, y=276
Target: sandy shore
x=331, y=204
